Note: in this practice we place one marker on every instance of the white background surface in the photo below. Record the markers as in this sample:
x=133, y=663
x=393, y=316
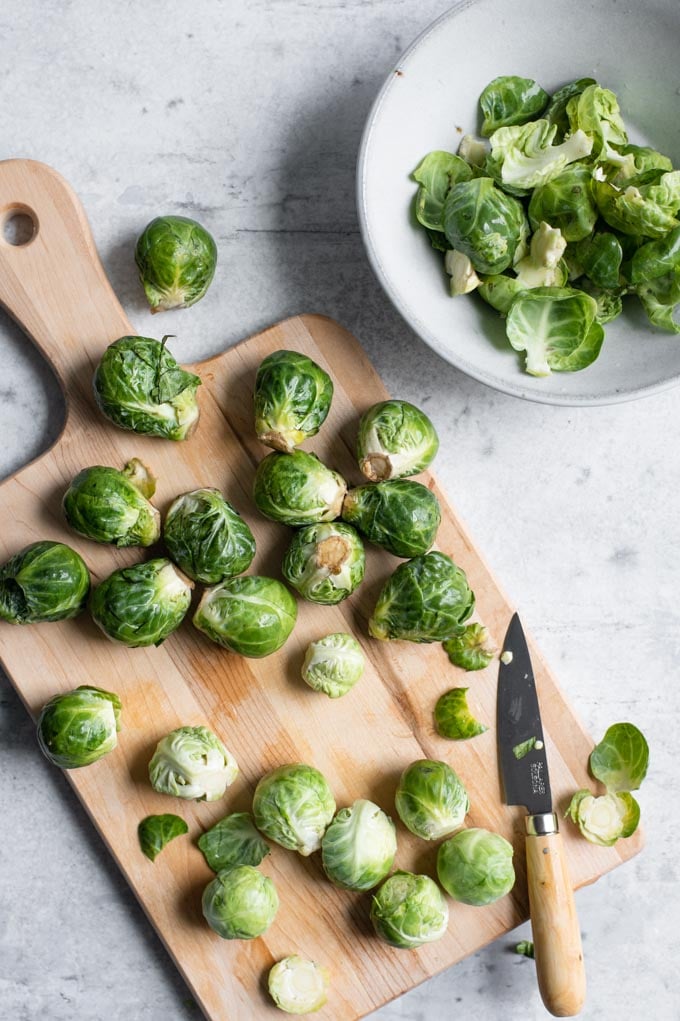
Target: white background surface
x=248, y=117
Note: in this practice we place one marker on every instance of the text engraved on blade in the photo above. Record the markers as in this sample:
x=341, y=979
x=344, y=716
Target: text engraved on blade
x=536, y=777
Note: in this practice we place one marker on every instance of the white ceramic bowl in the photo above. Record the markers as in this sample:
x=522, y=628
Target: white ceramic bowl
x=431, y=97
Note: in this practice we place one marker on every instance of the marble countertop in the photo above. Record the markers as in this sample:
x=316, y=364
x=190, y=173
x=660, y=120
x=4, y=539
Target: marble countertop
x=248, y=117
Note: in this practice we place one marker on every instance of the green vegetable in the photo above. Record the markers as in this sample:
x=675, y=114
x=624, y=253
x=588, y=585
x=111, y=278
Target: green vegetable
x=293, y=805
x=603, y=820
x=475, y=867
x=156, y=831
x=470, y=649
x=45, y=581
x=142, y=604
x=395, y=439
x=484, y=223
x=526, y=948
x=297, y=489
x=358, y=848
x=292, y=399
x=192, y=763
x=500, y=290
x=453, y=718
x=511, y=100
x=649, y=210
x=596, y=111
x=325, y=562
x=333, y=664
x=621, y=758
x=566, y=202
x=525, y=157
x=400, y=515
x=240, y=903
x=543, y=266
x=556, y=327
x=409, y=910
x=524, y=747
x=556, y=110
x=207, y=537
x=600, y=258
x=111, y=506
x=176, y=259
x=431, y=800
x=435, y=174
x=660, y=298
x=252, y=616
x=79, y=727
x=656, y=258
x=298, y=986
x=233, y=841
x=138, y=385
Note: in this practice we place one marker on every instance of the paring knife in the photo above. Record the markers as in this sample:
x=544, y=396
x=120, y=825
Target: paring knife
x=557, y=938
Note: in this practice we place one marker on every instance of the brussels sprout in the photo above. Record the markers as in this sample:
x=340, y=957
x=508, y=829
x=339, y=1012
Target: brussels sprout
x=524, y=747
x=156, y=831
x=46, y=581
x=358, y=848
x=595, y=111
x=176, y=259
x=431, y=800
x=525, y=157
x=233, y=841
x=499, y=291
x=660, y=299
x=566, y=202
x=142, y=604
x=395, y=439
x=192, y=763
x=462, y=273
x=556, y=110
x=293, y=805
x=621, y=758
x=333, y=664
x=556, y=327
x=425, y=600
x=435, y=174
x=108, y=505
x=207, y=537
x=401, y=515
x=484, y=223
x=325, y=563
x=609, y=302
x=297, y=489
x=511, y=100
x=79, y=727
x=649, y=210
x=525, y=948
x=409, y=910
x=656, y=258
x=138, y=385
x=453, y=719
x=475, y=867
x=292, y=399
x=543, y=266
x=240, y=903
x=298, y=986
x=470, y=650
x=603, y=820
x=253, y=616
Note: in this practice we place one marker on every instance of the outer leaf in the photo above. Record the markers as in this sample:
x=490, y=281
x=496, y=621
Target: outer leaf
x=511, y=100
x=233, y=841
x=660, y=299
x=621, y=758
x=566, y=202
x=453, y=718
x=656, y=258
x=551, y=324
x=435, y=174
x=470, y=650
x=556, y=111
x=601, y=259
x=156, y=831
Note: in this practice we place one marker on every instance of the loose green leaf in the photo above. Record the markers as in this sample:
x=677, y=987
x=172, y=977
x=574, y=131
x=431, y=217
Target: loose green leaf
x=511, y=100
x=621, y=758
x=526, y=948
x=556, y=111
x=470, y=649
x=435, y=175
x=557, y=329
x=453, y=718
x=156, y=831
x=233, y=841
x=523, y=748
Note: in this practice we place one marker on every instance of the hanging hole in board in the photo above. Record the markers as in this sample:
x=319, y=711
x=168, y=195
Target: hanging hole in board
x=18, y=226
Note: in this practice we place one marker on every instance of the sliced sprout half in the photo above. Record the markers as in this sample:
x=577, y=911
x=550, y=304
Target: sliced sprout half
x=298, y=986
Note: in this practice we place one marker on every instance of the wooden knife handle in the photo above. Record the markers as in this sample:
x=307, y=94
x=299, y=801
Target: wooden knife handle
x=554, y=922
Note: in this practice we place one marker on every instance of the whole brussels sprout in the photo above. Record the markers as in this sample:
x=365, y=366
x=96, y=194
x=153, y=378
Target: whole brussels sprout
x=409, y=910
x=79, y=727
x=293, y=805
x=292, y=399
x=46, y=581
x=253, y=616
x=401, y=515
x=111, y=506
x=192, y=763
x=484, y=223
x=138, y=385
x=358, y=848
x=395, y=439
x=207, y=537
x=325, y=563
x=425, y=600
x=240, y=903
x=297, y=489
x=176, y=259
x=431, y=800
x=333, y=664
x=475, y=867
x=142, y=604
x=298, y=986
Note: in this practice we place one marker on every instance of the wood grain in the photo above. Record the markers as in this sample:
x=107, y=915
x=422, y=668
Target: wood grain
x=57, y=291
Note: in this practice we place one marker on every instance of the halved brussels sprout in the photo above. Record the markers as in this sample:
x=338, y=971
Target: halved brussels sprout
x=452, y=716
x=253, y=616
x=325, y=563
x=79, y=727
x=475, y=867
x=293, y=805
x=358, y=848
x=470, y=650
x=409, y=910
x=603, y=820
x=192, y=763
x=333, y=664
x=156, y=831
x=46, y=581
x=142, y=604
x=207, y=537
x=484, y=223
x=395, y=439
x=111, y=506
x=240, y=903
x=176, y=259
x=292, y=399
x=511, y=100
x=138, y=385
x=401, y=515
x=297, y=489
x=298, y=986
x=233, y=841
x=431, y=800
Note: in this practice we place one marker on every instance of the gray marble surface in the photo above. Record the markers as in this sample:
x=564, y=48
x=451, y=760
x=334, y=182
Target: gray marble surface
x=248, y=116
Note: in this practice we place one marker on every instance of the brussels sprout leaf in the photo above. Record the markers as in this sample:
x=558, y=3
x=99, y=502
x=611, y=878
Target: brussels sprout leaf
x=621, y=758
x=453, y=718
x=156, y=831
x=470, y=649
x=233, y=841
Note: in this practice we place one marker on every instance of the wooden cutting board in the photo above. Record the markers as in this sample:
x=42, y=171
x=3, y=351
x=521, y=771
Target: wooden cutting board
x=56, y=289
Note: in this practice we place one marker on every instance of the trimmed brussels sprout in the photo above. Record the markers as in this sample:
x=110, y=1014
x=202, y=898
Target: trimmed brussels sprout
x=431, y=800
x=453, y=719
x=111, y=506
x=475, y=867
x=395, y=439
x=435, y=174
x=401, y=515
x=192, y=763
x=253, y=616
x=293, y=805
x=297, y=489
x=176, y=259
x=603, y=820
x=138, y=385
x=142, y=604
x=156, y=831
x=292, y=399
x=511, y=100
x=207, y=537
x=233, y=841
x=240, y=903
x=325, y=563
x=79, y=727
x=484, y=223
x=45, y=581
x=358, y=848
x=556, y=326
x=425, y=600
x=333, y=664
x=409, y=910
x=470, y=649
x=621, y=758
x=298, y=986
